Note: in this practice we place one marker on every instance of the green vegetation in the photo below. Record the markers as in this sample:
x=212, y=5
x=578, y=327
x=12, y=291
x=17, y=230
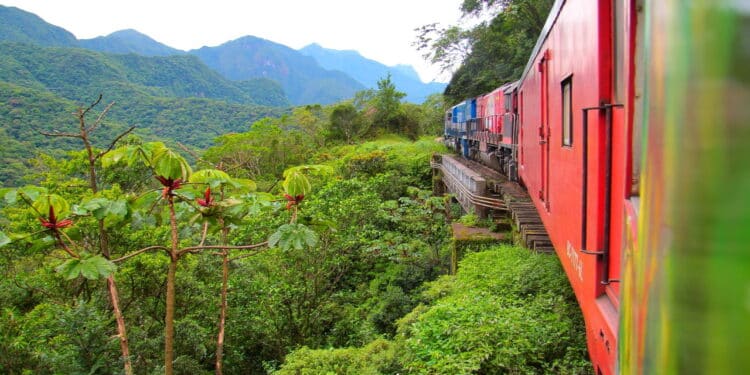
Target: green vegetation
x=289, y=241
x=502, y=313
x=364, y=237
x=43, y=86
x=75, y=73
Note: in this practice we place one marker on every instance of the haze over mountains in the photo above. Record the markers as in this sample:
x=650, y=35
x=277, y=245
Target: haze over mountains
x=312, y=75
x=369, y=72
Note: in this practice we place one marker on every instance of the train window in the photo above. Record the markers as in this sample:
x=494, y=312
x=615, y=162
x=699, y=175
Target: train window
x=567, y=112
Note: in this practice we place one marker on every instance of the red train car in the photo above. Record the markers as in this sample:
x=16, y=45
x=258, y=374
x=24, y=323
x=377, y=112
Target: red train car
x=575, y=159
x=579, y=125
x=566, y=126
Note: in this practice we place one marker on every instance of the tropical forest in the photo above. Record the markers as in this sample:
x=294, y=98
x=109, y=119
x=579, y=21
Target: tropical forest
x=159, y=216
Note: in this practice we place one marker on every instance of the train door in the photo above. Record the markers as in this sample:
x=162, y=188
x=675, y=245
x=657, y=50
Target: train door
x=544, y=129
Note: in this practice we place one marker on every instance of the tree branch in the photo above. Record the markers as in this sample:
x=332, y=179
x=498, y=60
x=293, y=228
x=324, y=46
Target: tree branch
x=140, y=252
x=243, y=255
x=93, y=104
x=112, y=145
x=58, y=237
x=198, y=248
x=100, y=117
x=204, y=234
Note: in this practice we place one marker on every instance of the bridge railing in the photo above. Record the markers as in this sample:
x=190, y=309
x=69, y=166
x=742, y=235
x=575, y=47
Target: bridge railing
x=469, y=187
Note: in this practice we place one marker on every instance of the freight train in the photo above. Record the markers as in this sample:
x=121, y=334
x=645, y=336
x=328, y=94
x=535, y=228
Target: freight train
x=630, y=130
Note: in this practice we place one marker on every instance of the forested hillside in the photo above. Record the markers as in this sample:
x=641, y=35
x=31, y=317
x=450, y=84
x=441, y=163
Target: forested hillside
x=77, y=73
x=489, y=54
x=174, y=98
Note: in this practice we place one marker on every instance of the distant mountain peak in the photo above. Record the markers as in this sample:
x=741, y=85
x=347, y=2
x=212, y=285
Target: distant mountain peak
x=408, y=70
x=369, y=72
x=129, y=41
x=129, y=33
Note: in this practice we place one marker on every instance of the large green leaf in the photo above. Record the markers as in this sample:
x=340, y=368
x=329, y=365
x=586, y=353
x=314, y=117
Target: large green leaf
x=212, y=177
x=296, y=181
x=293, y=236
x=128, y=154
x=104, y=209
x=30, y=192
x=245, y=184
x=169, y=164
x=60, y=205
x=147, y=200
x=164, y=161
x=91, y=268
x=296, y=184
x=151, y=149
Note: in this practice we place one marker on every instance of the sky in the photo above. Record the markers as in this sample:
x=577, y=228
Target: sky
x=381, y=30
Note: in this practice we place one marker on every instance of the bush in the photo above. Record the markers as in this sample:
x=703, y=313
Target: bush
x=507, y=311
x=470, y=220
x=378, y=357
x=368, y=164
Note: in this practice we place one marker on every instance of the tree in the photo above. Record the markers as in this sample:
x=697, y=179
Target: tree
x=173, y=173
x=387, y=105
x=93, y=156
x=432, y=115
x=491, y=53
x=311, y=121
x=263, y=153
x=445, y=47
x=346, y=124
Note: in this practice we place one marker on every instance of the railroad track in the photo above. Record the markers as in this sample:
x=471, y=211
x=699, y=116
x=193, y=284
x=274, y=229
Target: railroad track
x=509, y=201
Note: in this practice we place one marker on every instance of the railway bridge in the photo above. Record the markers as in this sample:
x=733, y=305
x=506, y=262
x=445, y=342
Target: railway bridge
x=487, y=193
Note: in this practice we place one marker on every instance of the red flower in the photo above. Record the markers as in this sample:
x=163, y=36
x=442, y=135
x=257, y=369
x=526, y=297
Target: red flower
x=206, y=200
x=52, y=222
x=169, y=184
x=291, y=201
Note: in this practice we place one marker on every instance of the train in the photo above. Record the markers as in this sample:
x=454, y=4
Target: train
x=630, y=130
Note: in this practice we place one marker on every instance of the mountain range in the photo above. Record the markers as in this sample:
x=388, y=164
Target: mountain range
x=189, y=97
x=369, y=72
x=311, y=75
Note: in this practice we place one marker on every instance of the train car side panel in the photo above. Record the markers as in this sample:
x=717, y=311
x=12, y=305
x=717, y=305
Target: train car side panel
x=564, y=151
